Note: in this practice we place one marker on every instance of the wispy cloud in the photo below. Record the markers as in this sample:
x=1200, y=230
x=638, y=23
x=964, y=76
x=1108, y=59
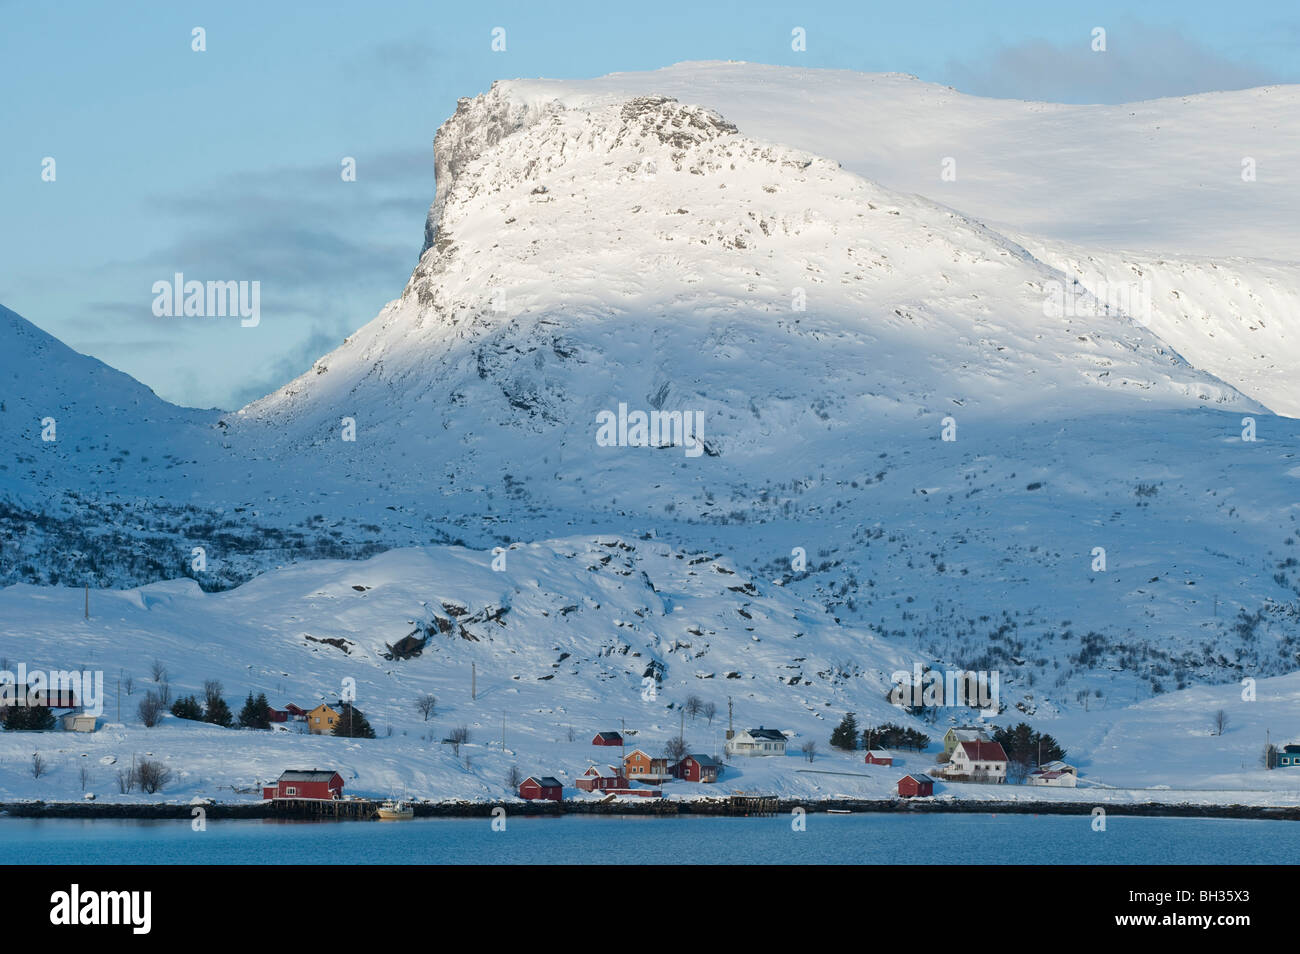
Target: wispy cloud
x=1140, y=62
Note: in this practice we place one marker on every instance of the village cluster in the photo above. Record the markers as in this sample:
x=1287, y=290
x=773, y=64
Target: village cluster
x=969, y=754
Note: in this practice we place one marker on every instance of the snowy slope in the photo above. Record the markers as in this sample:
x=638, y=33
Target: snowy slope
x=1157, y=185
x=585, y=619
x=104, y=420
x=597, y=244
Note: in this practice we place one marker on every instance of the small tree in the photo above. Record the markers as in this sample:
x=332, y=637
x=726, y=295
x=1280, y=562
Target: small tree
x=425, y=705
x=694, y=706
x=152, y=775
x=256, y=713
x=151, y=709
x=710, y=710
x=1220, y=722
x=845, y=735
x=352, y=724
x=212, y=691
x=676, y=749
x=187, y=708
x=809, y=750
x=84, y=776
x=216, y=712
x=38, y=765
x=158, y=671
x=128, y=683
x=513, y=777
x=458, y=737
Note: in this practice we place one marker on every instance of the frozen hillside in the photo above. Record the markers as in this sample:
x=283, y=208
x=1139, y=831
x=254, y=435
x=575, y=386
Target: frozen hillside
x=1152, y=189
x=553, y=649
x=865, y=349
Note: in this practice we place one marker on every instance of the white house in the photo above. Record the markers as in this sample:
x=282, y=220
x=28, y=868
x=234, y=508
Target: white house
x=758, y=741
x=978, y=762
x=1056, y=779
x=1055, y=773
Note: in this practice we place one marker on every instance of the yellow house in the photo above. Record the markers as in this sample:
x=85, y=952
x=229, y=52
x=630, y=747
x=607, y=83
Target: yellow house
x=320, y=721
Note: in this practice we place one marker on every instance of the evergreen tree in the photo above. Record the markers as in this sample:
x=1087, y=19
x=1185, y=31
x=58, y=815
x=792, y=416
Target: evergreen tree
x=1022, y=745
x=187, y=708
x=255, y=714
x=892, y=736
x=217, y=712
x=33, y=718
x=845, y=735
x=352, y=724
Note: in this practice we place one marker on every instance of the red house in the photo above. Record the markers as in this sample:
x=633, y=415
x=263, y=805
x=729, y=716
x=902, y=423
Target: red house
x=696, y=768
x=915, y=786
x=296, y=713
x=277, y=715
x=599, y=778
x=879, y=757
x=545, y=788
x=607, y=738
x=304, y=784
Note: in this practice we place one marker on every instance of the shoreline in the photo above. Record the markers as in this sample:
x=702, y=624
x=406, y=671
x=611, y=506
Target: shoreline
x=665, y=807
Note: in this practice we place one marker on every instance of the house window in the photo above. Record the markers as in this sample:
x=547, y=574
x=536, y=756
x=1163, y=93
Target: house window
x=290, y=790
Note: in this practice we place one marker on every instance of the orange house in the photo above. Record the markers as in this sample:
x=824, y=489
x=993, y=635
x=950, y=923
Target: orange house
x=639, y=765
x=320, y=721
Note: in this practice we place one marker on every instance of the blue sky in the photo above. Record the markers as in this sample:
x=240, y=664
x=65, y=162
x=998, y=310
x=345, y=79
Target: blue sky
x=225, y=164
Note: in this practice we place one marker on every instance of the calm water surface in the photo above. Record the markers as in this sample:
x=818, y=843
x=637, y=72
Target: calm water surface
x=599, y=839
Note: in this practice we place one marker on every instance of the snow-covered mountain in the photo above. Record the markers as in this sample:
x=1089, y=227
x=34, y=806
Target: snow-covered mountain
x=876, y=377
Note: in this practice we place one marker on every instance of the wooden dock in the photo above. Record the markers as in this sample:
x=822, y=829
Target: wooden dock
x=324, y=808
x=752, y=805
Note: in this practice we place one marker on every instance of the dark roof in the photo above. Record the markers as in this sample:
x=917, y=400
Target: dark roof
x=761, y=733
x=547, y=781
x=304, y=775
x=704, y=760
x=608, y=735
x=1291, y=749
x=919, y=777
x=984, y=751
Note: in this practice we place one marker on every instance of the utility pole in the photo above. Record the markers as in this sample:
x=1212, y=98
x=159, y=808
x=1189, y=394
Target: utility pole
x=503, y=732
x=473, y=680
x=731, y=729
x=119, y=696
x=87, y=601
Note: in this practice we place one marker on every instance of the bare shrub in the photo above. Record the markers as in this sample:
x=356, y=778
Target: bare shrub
x=151, y=709
x=153, y=775
x=458, y=737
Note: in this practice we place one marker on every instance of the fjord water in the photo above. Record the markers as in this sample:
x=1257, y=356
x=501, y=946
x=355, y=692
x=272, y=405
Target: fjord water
x=594, y=839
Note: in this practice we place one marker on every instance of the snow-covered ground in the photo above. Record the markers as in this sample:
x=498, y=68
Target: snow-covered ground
x=585, y=619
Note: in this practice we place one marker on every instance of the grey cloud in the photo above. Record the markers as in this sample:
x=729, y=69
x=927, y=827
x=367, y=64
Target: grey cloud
x=1140, y=62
